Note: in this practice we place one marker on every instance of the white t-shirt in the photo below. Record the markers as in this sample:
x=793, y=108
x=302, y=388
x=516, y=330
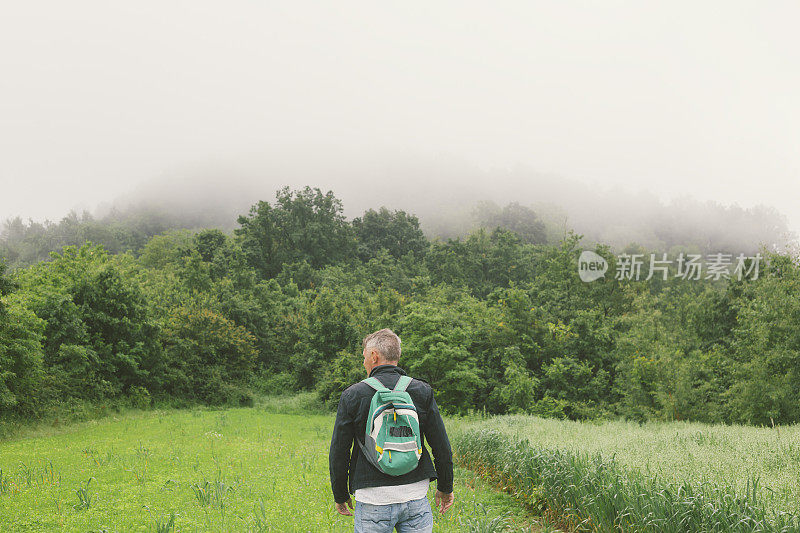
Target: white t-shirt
x=393, y=493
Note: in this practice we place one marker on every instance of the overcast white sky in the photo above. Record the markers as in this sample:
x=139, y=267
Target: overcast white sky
x=673, y=97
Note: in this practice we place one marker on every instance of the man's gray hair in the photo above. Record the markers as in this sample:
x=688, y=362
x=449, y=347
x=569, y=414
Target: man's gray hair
x=386, y=342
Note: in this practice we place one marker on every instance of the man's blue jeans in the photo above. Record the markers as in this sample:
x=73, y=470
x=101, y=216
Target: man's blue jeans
x=415, y=516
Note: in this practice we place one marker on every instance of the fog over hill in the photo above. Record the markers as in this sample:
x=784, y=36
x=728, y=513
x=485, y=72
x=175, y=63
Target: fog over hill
x=618, y=120
x=444, y=191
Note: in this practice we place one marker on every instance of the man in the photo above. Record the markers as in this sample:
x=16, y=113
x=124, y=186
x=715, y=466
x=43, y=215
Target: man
x=385, y=502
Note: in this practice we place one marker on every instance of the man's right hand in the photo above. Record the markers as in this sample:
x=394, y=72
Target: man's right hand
x=342, y=507
x=444, y=501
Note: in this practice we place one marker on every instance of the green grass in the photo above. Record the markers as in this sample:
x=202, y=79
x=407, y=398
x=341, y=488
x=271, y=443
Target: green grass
x=248, y=469
x=650, y=477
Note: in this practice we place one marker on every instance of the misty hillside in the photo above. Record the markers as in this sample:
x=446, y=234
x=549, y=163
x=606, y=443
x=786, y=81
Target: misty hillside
x=444, y=193
x=451, y=199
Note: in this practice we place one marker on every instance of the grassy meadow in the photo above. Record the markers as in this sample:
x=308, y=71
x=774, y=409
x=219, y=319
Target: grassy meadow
x=266, y=469
x=241, y=469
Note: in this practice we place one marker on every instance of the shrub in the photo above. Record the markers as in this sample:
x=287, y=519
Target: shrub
x=139, y=398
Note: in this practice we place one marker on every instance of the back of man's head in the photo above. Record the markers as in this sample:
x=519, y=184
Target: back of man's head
x=385, y=342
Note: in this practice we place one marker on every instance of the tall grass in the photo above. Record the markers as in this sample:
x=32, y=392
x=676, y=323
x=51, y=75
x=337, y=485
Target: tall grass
x=590, y=492
x=730, y=455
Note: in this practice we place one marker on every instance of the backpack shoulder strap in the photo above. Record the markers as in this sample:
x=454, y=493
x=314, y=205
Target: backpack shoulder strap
x=402, y=383
x=375, y=384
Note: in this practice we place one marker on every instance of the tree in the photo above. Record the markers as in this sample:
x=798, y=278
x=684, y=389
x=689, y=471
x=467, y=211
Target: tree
x=6, y=286
x=515, y=217
x=88, y=300
x=482, y=262
x=208, y=242
x=395, y=231
x=120, y=331
x=303, y=225
x=766, y=347
x=166, y=249
x=329, y=328
x=446, y=339
x=20, y=353
x=209, y=357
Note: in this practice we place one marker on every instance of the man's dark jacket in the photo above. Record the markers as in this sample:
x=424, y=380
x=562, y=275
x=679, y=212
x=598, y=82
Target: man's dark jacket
x=351, y=420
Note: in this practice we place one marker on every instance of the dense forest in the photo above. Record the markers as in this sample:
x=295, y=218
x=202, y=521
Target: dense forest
x=135, y=312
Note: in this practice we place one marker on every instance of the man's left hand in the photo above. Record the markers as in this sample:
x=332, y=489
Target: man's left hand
x=342, y=507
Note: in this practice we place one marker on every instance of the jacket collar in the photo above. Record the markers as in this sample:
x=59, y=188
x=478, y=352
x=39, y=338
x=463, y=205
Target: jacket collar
x=382, y=369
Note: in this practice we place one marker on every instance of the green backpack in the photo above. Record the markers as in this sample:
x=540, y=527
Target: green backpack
x=392, y=440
